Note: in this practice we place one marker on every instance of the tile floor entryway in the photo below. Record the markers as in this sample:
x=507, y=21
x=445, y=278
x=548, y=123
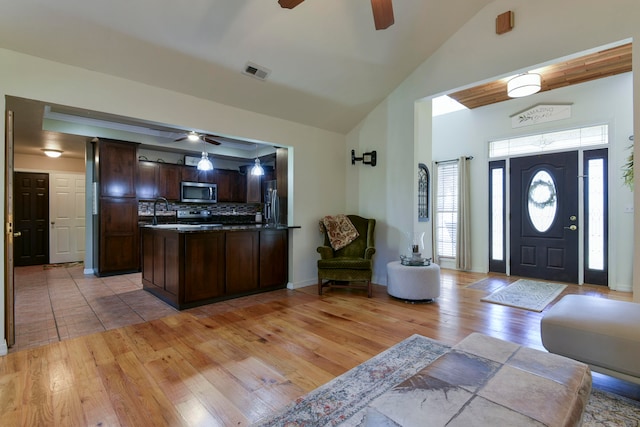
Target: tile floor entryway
x=57, y=303
x=53, y=304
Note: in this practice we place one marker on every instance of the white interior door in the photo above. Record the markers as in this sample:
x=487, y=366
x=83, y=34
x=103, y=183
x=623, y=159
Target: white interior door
x=68, y=220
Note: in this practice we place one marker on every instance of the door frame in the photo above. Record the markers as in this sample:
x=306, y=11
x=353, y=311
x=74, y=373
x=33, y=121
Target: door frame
x=9, y=306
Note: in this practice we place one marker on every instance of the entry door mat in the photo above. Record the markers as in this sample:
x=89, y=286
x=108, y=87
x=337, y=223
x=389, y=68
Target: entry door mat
x=530, y=295
x=343, y=400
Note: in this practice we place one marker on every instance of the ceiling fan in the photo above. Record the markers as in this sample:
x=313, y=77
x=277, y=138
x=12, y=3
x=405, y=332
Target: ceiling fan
x=194, y=136
x=382, y=11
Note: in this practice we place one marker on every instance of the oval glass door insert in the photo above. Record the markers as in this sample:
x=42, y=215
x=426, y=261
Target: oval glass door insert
x=542, y=201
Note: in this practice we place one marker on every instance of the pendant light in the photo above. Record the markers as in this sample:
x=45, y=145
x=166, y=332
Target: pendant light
x=257, y=168
x=204, y=164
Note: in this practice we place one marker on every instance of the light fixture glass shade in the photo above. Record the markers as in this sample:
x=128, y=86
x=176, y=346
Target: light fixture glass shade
x=524, y=85
x=257, y=168
x=205, y=164
x=52, y=153
x=193, y=136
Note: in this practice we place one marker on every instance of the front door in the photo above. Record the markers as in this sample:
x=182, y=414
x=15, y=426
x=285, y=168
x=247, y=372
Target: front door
x=544, y=216
x=31, y=218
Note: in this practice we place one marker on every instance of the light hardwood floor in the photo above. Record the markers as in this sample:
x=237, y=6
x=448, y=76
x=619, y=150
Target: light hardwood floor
x=232, y=363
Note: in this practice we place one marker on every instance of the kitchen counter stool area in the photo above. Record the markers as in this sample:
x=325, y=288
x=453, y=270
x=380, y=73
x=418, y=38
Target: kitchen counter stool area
x=187, y=268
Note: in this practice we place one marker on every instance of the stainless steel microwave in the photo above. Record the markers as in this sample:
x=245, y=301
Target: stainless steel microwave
x=198, y=192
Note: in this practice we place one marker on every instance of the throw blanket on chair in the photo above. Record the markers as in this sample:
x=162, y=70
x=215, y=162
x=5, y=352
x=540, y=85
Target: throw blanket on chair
x=340, y=230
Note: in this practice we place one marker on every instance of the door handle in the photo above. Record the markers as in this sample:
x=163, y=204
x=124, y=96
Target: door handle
x=572, y=227
x=17, y=234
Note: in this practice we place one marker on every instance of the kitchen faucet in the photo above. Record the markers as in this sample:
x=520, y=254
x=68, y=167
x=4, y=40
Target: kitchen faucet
x=155, y=204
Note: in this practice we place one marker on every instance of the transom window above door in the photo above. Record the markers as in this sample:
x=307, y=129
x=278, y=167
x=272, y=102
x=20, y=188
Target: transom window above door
x=551, y=141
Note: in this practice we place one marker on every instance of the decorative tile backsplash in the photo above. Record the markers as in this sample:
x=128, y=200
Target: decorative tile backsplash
x=146, y=208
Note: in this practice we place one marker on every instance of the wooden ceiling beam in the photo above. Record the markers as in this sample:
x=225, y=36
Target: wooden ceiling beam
x=598, y=65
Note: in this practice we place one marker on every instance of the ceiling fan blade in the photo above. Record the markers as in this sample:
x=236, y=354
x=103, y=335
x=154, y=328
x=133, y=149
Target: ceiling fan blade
x=382, y=13
x=210, y=140
x=289, y=4
x=180, y=139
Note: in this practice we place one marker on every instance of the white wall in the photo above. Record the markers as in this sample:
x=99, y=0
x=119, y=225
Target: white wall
x=317, y=181
x=545, y=30
x=601, y=101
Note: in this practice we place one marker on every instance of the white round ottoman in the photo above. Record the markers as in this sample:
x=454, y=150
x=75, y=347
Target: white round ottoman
x=413, y=282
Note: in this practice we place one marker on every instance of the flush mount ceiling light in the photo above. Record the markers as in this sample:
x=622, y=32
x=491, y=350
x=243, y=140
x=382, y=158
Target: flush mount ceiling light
x=524, y=85
x=204, y=164
x=257, y=168
x=52, y=153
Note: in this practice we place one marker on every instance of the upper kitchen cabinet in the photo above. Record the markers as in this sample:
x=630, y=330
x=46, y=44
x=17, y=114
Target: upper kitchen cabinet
x=158, y=180
x=232, y=186
x=116, y=167
x=192, y=174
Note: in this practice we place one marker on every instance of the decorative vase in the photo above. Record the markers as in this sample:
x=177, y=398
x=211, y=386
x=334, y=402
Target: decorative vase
x=415, y=246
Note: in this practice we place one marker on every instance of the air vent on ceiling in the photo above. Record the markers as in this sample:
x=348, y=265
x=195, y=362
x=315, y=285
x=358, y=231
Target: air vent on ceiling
x=255, y=70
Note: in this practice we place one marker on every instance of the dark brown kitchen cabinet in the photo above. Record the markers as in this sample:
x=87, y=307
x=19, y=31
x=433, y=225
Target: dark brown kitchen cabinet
x=118, y=235
x=192, y=174
x=273, y=258
x=116, y=248
x=203, y=266
x=158, y=180
x=242, y=252
x=117, y=168
x=146, y=184
x=231, y=186
x=212, y=265
x=169, y=181
x=161, y=250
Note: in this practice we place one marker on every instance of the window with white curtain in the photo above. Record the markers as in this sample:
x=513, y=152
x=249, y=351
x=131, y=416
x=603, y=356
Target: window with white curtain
x=447, y=209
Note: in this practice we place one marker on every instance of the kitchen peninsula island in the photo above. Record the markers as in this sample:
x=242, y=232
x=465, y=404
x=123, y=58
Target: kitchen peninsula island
x=188, y=265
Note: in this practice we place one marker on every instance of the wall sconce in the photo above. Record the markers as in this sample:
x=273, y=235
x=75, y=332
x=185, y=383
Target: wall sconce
x=369, y=158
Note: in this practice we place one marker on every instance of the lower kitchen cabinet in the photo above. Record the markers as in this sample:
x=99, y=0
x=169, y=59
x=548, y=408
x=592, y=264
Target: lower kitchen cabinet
x=186, y=269
x=118, y=236
x=203, y=266
x=242, y=250
x=274, y=249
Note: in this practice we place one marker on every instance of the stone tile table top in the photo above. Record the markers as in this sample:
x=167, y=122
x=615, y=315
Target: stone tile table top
x=485, y=381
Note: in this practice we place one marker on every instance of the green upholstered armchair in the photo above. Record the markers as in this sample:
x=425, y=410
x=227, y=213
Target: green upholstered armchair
x=352, y=263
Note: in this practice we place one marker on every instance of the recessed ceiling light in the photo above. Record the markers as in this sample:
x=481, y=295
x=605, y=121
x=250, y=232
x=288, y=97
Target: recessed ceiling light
x=52, y=153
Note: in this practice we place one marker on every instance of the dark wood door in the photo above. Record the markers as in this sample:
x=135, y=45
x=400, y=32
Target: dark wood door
x=31, y=218
x=544, y=216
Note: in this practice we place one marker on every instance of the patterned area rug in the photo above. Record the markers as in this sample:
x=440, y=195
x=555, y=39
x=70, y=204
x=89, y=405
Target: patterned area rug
x=528, y=294
x=343, y=400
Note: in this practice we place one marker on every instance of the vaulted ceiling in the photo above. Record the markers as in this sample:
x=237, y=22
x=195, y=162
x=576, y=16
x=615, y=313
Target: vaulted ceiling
x=328, y=65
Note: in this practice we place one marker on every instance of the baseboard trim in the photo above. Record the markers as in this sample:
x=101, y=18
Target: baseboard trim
x=4, y=350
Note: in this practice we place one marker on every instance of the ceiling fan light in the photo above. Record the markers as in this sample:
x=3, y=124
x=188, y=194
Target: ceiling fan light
x=205, y=164
x=524, y=85
x=193, y=136
x=52, y=153
x=257, y=168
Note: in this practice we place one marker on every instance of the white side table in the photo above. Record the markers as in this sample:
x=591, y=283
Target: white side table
x=413, y=282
